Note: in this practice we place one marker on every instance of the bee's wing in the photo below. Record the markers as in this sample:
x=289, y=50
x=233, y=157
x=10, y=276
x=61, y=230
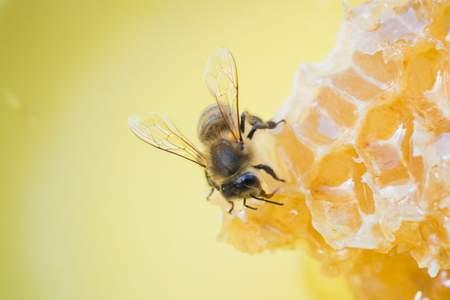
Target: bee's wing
x=222, y=81
x=161, y=133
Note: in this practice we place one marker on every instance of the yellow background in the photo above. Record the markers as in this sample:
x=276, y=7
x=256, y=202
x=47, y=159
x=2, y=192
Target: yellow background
x=89, y=212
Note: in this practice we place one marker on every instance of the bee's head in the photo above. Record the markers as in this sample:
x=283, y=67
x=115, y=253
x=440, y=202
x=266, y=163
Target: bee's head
x=241, y=186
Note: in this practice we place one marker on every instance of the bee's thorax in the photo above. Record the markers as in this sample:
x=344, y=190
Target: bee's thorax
x=227, y=158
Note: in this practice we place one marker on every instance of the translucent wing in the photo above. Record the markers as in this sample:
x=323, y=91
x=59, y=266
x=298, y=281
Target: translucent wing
x=159, y=132
x=222, y=81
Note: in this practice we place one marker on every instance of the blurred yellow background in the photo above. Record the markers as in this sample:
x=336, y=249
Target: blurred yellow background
x=89, y=212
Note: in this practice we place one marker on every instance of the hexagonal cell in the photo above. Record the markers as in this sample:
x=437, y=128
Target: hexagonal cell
x=341, y=110
x=337, y=167
x=339, y=195
x=293, y=154
x=375, y=67
x=384, y=142
x=421, y=70
x=318, y=127
x=352, y=83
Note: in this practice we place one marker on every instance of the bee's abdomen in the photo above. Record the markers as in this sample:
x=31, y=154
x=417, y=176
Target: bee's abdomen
x=211, y=124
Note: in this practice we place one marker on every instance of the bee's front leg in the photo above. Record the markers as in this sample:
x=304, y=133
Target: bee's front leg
x=269, y=171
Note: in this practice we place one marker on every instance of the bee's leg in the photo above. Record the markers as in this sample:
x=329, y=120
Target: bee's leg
x=266, y=200
x=210, y=193
x=257, y=123
x=243, y=115
x=232, y=206
x=267, y=196
x=211, y=183
x=269, y=171
x=248, y=206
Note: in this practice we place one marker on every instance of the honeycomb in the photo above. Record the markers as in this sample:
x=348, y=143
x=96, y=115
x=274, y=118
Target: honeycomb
x=365, y=153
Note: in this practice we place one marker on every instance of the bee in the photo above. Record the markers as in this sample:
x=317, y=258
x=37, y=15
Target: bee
x=227, y=157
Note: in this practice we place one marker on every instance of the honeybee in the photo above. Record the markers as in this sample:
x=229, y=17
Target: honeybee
x=227, y=157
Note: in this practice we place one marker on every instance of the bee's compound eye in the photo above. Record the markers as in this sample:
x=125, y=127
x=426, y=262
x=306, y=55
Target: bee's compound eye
x=249, y=180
